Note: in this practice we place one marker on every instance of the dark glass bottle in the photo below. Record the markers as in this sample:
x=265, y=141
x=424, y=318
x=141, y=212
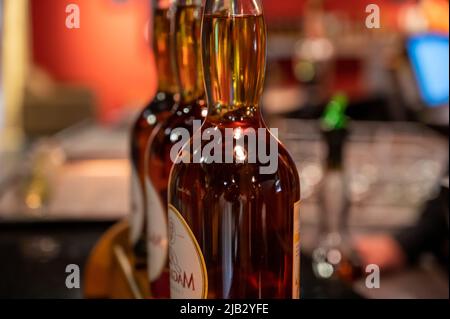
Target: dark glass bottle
x=154, y=114
x=234, y=228
x=333, y=257
x=191, y=106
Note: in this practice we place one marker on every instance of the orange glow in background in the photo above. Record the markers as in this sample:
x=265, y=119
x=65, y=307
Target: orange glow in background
x=108, y=54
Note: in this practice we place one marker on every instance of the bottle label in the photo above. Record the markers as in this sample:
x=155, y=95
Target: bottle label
x=296, y=253
x=136, y=217
x=157, y=241
x=188, y=275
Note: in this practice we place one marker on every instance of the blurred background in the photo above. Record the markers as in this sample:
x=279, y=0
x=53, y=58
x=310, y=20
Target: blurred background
x=68, y=98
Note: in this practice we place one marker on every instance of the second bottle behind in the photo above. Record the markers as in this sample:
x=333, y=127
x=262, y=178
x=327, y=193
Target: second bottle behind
x=186, y=29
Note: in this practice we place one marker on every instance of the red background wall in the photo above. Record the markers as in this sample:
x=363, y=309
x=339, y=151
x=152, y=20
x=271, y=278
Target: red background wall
x=109, y=52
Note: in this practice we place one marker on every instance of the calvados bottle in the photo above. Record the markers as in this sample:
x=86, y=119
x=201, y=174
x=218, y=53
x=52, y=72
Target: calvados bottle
x=333, y=257
x=191, y=106
x=233, y=216
x=155, y=113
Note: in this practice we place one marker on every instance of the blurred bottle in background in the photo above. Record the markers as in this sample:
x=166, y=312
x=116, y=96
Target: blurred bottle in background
x=332, y=258
x=186, y=25
x=154, y=114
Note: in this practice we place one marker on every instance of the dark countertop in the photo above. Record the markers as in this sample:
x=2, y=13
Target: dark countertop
x=37, y=254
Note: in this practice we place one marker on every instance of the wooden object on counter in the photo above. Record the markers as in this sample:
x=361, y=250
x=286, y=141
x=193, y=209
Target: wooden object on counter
x=110, y=273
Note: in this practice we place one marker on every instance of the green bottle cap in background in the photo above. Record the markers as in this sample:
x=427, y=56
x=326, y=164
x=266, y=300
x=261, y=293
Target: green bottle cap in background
x=334, y=117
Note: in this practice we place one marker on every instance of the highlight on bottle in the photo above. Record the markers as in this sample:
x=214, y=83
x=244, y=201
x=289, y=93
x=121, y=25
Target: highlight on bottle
x=238, y=145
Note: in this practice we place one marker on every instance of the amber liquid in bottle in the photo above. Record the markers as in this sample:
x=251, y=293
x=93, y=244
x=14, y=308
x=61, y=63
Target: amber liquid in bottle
x=191, y=106
x=243, y=224
x=155, y=113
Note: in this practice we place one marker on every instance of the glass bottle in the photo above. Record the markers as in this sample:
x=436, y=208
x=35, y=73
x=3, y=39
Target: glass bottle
x=233, y=219
x=191, y=106
x=155, y=113
x=333, y=257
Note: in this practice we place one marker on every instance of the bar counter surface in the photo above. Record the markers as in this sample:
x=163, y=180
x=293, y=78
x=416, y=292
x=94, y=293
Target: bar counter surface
x=88, y=193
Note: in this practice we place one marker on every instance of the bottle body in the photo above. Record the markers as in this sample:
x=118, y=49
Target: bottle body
x=244, y=223
x=233, y=227
x=186, y=32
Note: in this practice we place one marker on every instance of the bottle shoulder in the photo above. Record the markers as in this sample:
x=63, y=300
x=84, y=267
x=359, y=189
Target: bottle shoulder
x=285, y=168
x=156, y=111
x=181, y=116
x=162, y=102
x=240, y=178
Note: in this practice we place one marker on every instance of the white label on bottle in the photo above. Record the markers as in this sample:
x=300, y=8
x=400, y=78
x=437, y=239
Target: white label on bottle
x=296, y=253
x=188, y=275
x=136, y=217
x=157, y=241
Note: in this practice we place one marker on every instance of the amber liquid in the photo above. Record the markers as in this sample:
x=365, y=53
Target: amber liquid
x=234, y=61
x=155, y=113
x=190, y=107
x=188, y=54
x=241, y=219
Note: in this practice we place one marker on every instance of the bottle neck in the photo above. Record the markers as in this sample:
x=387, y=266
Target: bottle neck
x=234, y=58
x=335, y=141
x=334, y=194
x=163, y=48
x=187, y=30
